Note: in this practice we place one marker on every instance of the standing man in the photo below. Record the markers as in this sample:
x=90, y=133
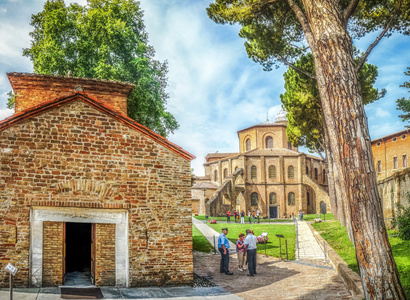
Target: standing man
x=228, y=216
x=223, y=247
x=242, y=217
x=257, y=214
x=250, y=249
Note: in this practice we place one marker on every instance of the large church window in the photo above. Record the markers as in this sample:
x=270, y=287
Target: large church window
x=253, y=172
x=254, y=199
x=272, y=172
x=291, y=198
x=215, y=175
x=248, y=144
x=291, y=172
x=269, y=142
x=225, y=173
x=272, y=198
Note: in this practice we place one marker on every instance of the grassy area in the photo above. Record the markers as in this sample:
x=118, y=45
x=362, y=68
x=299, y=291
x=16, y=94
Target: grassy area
x=272, y=247
x=200, y=243
x=202, y=218
x=316, y=216
x=337, y=237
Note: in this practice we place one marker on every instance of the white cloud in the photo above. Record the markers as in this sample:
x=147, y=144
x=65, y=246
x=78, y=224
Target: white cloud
x=4, y=113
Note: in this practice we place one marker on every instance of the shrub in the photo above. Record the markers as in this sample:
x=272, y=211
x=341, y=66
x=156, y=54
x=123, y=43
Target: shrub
x=403, y=220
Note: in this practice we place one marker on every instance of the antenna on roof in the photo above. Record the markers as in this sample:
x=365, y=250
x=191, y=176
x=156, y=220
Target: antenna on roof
x=267, y=116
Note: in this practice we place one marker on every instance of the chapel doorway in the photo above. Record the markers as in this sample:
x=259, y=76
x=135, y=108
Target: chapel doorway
x=273, y=212
x=78, y=254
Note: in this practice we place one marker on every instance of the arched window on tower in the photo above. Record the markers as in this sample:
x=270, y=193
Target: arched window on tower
x=291, y=172
x=253, y=172
x=272, y=172
x=269, y=142
x=315, y=173
x=291, y=198
x=272, y=198
x=248, y=144
x=254, y=199
x=225, y=173
x=215, y=175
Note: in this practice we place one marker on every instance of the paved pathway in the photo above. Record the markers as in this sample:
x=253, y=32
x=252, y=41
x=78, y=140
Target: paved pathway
x=210, y=233
x=308, y=278
x=308, y=246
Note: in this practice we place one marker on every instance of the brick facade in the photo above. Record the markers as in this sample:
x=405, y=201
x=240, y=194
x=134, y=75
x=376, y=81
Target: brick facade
x=53, y=248
x=386, y=150
x=78, y=153
x=259, y=154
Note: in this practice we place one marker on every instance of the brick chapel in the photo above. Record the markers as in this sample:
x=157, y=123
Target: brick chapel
x=85, y=188
x=267, y=174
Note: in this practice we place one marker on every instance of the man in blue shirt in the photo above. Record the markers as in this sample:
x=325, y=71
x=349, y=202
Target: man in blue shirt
x=223, y=247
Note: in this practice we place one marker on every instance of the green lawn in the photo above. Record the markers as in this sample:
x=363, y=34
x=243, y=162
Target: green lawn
x=337, y=237
x=202, y=218
x=272, y=247
x=200, y=243
x=312, y=217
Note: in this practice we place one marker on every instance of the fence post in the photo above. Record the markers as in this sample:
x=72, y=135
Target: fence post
x=214, y=245
x=286, y=244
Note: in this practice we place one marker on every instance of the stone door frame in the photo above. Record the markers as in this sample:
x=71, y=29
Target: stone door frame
x=79, y=215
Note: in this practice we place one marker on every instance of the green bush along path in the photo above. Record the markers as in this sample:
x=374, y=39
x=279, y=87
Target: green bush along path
x=199, y=241
x=337, y=237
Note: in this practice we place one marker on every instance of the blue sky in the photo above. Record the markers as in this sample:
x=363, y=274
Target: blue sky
x=215, y=89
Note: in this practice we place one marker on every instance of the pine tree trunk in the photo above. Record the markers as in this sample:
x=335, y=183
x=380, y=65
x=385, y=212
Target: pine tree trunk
x=330, y=178
x=351, y=148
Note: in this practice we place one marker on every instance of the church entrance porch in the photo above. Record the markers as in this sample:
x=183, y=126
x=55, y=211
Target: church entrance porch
x=88, y=243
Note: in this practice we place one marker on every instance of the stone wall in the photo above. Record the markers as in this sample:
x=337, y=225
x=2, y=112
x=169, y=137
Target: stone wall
x=394, y=190
x=53, y=249
x=74, y=156
x=105, y=254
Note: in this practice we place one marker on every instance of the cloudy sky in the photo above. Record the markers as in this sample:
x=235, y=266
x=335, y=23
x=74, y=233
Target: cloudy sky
x=215, y=89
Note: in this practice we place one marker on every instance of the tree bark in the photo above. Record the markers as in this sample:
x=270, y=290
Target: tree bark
x=346, y=123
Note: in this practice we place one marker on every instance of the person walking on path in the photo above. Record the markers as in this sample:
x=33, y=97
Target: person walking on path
x=240, y=250
x=253, y=216
x=242, y=217
x=250, y=249
x=301, y=215
x=223, y=247
x=249, y=215
x=257, y=215
x=228, y=216
x=235, y=214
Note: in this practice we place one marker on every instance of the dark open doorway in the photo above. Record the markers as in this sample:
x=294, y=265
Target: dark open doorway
x=78, y=250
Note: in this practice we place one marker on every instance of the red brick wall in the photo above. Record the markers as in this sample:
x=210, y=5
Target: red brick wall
x=41, y=155
x=32, y=90
x=105, y=254
x=53, y=253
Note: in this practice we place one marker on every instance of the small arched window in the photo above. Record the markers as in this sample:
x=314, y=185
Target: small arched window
x=291, y=198
x=308, y=198
x=225, y=173
x=269, y=142
x=324, y=176
x=315, y=173
x=248, y=144
x=291, y=172
x=215, y=175
x=254, y=199
x=272, y=198
x=253, y=172
x=272, y=172
x=307, y=171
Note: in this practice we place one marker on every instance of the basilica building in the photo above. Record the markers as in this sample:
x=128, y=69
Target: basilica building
x=268, y=174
